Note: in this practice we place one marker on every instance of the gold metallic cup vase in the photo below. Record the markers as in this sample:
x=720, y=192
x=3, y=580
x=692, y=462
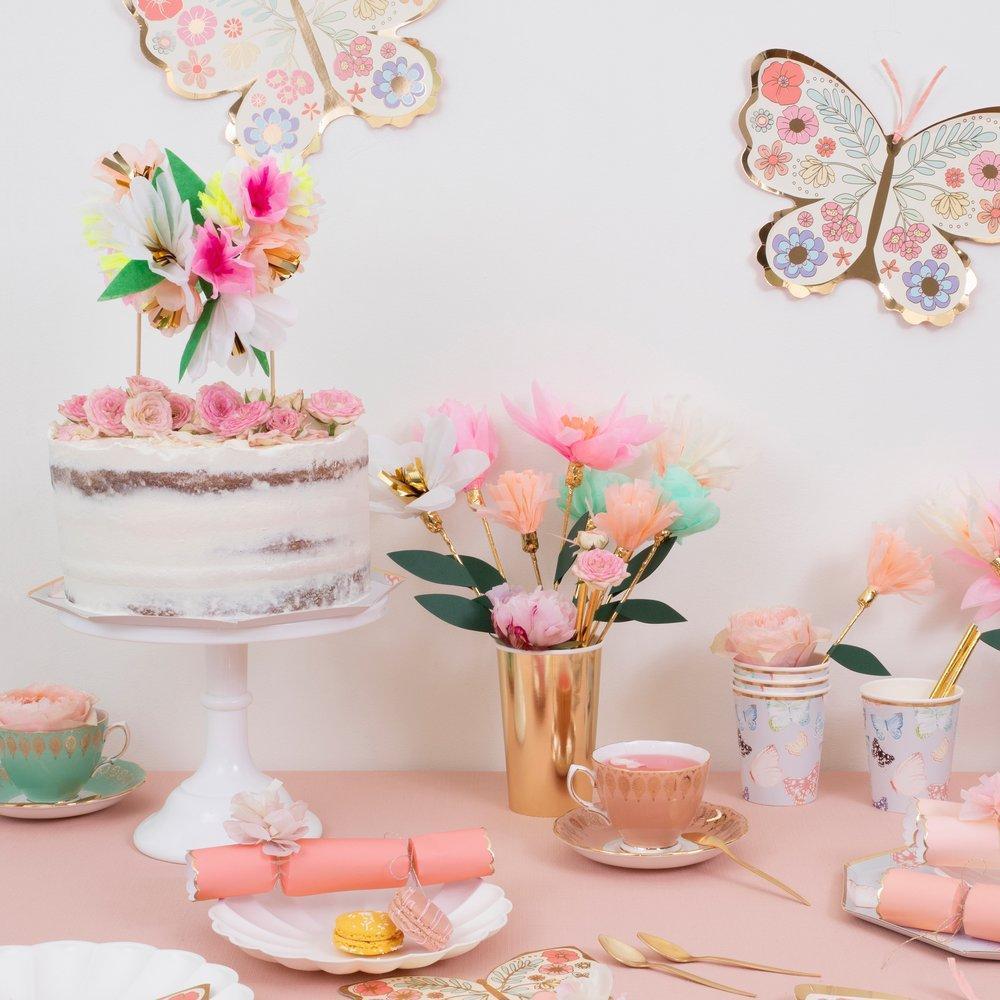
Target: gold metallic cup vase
x=548, y=702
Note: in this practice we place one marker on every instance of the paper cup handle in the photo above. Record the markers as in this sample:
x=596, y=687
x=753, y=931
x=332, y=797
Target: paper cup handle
x=587, y=804
x=126, y=737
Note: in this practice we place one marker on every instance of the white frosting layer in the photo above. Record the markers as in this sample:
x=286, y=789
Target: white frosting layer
x=219, y=528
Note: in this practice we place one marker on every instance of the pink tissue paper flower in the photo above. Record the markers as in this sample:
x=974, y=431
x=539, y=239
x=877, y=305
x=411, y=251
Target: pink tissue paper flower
x=142, y=383
x=73, y=409
x=473, y=429
x=777, y=637
x=600, y=568
x=983, y=800
x=264, y=818
x=104, y=409
x=598, y=442
x=896, y=567
x=148, y=414
x=45, y=708
x=536, y=620
x=983, y=595
x=215, y=402
x=244, y=418
x=217, y=260
x=335, y=406
x=519, y=499
x=265, y=189
x=181, y=409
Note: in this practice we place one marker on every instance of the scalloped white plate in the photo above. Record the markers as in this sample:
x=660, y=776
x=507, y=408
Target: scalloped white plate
x=83, y=970
x=298, y=931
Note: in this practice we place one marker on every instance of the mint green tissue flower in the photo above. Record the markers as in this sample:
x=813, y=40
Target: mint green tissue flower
x=588, y=497
x=698, y=512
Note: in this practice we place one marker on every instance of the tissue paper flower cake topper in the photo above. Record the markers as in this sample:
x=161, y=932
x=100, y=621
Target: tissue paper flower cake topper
x=297, y=65
x=883, y=208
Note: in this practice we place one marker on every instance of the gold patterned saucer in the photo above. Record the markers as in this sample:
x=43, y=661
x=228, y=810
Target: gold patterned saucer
x=589, y=835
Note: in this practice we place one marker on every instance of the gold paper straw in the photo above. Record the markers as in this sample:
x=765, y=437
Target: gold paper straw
x=639, y=574
x=574, y=476
x=580, y=597
x=138, y=344
x=435, y=525
x=949, y=676
x=596, y=599
x=865, y=601
x=474, y=498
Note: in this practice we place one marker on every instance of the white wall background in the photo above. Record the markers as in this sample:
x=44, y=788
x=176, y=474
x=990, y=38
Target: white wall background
x=573, y=211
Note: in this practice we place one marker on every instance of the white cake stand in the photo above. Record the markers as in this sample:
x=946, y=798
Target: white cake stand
x=193, y=813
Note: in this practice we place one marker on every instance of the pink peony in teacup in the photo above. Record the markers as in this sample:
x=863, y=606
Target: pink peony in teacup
x=46, y=708
x=776, y=637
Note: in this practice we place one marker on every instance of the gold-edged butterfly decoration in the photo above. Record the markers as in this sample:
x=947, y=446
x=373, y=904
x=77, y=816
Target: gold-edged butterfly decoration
x=880, y=207
x=295, y=65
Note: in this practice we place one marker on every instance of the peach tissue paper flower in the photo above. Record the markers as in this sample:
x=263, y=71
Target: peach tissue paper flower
x=519, y=499
x=45, y=708
x=264, y=818
x=636, y=513
x=473, y=429
x=983, y=800
x=596, y=442
x=538, y=619
x=600, y=568
x=896, y=567
x=777, y=637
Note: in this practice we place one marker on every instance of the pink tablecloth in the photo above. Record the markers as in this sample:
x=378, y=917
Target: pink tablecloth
x=81, y=878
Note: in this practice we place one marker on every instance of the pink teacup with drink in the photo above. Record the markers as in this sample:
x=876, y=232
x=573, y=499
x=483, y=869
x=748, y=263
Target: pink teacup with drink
x=650, y=791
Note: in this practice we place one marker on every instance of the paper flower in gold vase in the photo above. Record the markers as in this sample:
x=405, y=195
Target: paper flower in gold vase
x=519, y=500
x=636, y=514
x=688, y=442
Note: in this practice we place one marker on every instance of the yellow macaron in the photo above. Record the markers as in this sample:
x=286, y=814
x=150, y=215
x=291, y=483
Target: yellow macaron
x=366, y=932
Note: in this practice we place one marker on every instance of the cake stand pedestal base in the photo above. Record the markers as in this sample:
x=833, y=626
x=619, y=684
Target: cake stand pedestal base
x=193, y=813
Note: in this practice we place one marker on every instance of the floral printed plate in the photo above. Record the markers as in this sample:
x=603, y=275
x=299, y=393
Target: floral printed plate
x=297, y=931
x=108, y=785
x=57, y=970
x=589, y=835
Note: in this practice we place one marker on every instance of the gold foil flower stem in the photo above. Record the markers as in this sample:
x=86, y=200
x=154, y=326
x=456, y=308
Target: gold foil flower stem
x=636, y=577
x=529, y=542
x=138, y=344
x=574, y=476
x=434, y=524
x=951, y=673
x=474, y=498
x=596, y=600
x=865, y=601
x=581, y=600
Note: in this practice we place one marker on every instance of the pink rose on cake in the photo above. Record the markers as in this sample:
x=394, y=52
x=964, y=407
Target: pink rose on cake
x=73, y=409
x=181, y=409
x=268, y=439
x=536, y=620
x=142, y=383
x=285, y=420
x=240, y=421
x=215, y=402
x=777, y=637
x=104, y=409
x=74, y=432
x=335, y=406
x=44, y=708
x=148, y=414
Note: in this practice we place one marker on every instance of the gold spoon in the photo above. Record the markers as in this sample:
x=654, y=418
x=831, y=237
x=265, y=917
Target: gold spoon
x=707, y=840
x=634, y=959
x=675, y=953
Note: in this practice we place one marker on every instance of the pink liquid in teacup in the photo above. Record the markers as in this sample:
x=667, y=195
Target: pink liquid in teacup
x=653, y=762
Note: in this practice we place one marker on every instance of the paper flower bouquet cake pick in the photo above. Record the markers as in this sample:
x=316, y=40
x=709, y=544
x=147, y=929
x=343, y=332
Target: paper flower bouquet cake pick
x=296, y=65
x=885, y=208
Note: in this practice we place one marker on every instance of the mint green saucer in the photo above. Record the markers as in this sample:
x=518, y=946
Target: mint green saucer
x=108, y=785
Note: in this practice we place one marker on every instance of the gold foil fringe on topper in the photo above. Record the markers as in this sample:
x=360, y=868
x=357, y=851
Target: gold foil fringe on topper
x=117, y=163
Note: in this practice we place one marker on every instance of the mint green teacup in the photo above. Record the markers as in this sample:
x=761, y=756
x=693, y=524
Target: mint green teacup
x=54, y=766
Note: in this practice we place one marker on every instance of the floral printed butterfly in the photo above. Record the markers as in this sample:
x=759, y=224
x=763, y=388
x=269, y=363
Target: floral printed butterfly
x=297, y=65
x=888, y=727
x=867, y=205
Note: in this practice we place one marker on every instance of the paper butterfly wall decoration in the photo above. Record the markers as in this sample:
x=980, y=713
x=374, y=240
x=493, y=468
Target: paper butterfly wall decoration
x=297, y=65
x=519, y=979
x=867, y=205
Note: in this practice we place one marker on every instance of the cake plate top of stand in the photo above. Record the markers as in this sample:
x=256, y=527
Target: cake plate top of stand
x=193, y=813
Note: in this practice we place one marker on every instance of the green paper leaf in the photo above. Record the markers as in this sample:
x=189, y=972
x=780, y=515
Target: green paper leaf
x=262, y=360
x=640, y=610
x=484, y=574
x=991, y=638
x=189, y=184
x=135, y=276
x=568, y=552
x=637, y=560
x=859, y=660
x=459, y=611
x=434, y=567
x=196, y=334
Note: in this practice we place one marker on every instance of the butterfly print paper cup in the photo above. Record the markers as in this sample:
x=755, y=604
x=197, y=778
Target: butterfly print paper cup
x=910, y=739
x=780, y=741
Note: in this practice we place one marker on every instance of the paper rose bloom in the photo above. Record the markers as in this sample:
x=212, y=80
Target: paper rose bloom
x=539, y=619
x=600, y=568
x=148, y=414
x=45, y=708
x=777, y=637
x=335, y=406
x=264, y=818
x=215, y=402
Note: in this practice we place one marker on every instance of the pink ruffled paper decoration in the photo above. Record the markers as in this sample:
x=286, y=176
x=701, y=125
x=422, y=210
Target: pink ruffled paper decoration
x=263, y=818
x=983, y=800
